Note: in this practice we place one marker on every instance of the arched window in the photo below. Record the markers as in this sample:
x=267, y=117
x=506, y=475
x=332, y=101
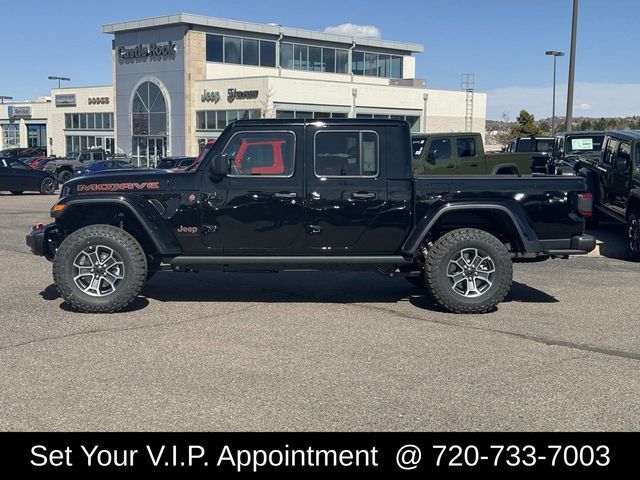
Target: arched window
x=149, y=111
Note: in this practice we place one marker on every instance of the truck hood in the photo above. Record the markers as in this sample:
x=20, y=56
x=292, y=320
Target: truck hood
x=133, y=180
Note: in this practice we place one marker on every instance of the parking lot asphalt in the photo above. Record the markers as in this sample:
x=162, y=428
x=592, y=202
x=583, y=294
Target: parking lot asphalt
x=319, y=351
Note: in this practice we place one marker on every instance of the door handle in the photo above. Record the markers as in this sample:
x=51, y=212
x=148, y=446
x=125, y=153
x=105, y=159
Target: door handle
x=451, y=165
x=363, y=195
x=473, y=164
x=285, y=195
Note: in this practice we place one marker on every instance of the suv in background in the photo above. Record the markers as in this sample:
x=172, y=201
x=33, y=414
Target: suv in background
x=63, y=168
x=175, y=163
x=568, y=147
x=540, y=149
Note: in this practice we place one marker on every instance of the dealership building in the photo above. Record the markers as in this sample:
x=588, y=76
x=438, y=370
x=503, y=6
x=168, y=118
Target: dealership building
x=179, y=80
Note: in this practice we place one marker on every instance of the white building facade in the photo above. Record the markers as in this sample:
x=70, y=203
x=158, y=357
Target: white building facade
x=179, y=80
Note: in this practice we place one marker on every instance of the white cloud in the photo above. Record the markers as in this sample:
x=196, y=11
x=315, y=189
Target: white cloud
x=590, y=99
x=353, y=30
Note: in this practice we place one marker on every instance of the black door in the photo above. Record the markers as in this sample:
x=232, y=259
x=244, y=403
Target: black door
x=258, y=209
x=5, y=175
x=346, y=191
x=24, y=178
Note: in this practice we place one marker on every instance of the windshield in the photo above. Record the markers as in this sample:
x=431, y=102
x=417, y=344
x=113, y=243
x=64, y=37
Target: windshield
x=4, y=153
x=584, y=144
x=418, y=146
x=542, y=145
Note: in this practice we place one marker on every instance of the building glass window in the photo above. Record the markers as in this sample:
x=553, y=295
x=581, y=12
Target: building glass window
x=370, y=64
x=98, y=121
x=286, y=55
x=215, y=51
x=232, y=50
x=219, y=119
x=329, y=59
x=83, y=120
x=300, y=57
x=357, y=63
x=342, y=61
x=249, y=51
x=396, y=67
x=315, y=59
x=91, y=123
x=267, y=53
x=289, y=114
x=148, y=111
x=67, y=120
x=384, y=65
x=11, y=136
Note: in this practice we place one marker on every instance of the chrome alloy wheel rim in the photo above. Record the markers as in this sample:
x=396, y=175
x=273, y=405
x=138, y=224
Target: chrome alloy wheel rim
x=98, y=270
x=470, y=274
x=634, y=236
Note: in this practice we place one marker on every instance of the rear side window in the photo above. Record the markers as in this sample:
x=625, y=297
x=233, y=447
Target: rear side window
x=466, y=147
x=525, y=145
x=440, y=148
x=346, y=154
x=98, y=156
x=261, y=154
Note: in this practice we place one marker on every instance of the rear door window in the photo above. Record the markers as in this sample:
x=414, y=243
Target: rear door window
x=466, y=147
x=611, y=150
x=346, y=154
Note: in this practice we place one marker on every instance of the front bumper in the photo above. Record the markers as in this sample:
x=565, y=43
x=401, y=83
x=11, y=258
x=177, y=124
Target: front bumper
x=42, y=240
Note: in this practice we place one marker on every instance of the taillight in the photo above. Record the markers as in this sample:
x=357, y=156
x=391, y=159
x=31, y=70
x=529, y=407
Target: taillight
x=585, y=204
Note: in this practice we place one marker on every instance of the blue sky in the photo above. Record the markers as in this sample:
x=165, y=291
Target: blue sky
x=501, y=41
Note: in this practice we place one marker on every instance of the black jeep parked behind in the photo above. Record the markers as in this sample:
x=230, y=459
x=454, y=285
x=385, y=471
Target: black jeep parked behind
x=613, y=177
x=274, y=195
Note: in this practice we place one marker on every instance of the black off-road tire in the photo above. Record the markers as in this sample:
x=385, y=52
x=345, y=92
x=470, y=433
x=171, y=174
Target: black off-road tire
x=447, y=248
x=16, y=192
x=632, y=236
x=64, y=176
x=128, y=249
x=48, y=186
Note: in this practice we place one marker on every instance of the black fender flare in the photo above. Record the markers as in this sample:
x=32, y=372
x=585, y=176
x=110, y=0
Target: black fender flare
x=152, y=222
x=515, y=212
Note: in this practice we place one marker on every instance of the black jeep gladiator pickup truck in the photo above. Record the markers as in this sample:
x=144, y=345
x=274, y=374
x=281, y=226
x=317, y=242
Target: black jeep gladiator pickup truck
x=274, y=195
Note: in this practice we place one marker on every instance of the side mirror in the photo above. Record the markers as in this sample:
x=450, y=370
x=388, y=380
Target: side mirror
x=620, y=163
x=431, y=157
x=219, y=166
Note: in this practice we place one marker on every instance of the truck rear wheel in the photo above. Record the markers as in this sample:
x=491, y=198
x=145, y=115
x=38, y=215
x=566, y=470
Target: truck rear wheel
x=632, y=242
x=99, y=269
x=468, y=271
x=64, y=176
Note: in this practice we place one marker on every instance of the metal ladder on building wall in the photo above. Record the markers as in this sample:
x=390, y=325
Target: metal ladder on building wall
x=467, y=84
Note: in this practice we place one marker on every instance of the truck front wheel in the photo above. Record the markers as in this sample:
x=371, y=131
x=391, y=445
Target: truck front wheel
x=99, y=269
x=468, y=271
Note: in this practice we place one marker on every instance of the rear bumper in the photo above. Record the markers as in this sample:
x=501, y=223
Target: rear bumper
x=576, y=245
x=42, y=240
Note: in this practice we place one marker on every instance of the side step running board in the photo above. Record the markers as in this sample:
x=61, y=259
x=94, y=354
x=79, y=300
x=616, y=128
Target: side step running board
x=193, y=261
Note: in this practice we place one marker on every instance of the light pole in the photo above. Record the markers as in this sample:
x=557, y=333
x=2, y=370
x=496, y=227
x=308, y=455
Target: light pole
x=572, y=65
x=555, y=54
x=4, y=97
x=59, y=78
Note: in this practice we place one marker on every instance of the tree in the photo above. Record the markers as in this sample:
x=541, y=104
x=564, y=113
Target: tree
x=526, y=126
x=585, y=125
x=600, y=124
x=545, y=128
x=504, y=135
